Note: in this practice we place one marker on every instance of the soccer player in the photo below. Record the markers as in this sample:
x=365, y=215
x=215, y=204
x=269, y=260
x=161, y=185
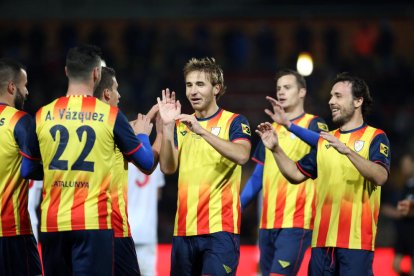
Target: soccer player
x=351, y=164
x=18, y=249
x=143, y=194
x=287, y=211
x=76, y=136
x=208, y=149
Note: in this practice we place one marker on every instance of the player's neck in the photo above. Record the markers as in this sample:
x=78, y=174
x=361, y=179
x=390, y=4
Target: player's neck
x=356, y=121
x=79, y=89
x=294, y=112
x=7, y=100
x=208, y=112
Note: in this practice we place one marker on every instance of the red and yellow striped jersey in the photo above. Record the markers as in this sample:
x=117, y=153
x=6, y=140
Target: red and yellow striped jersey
x=76, y=141
x=208, y=183
x=286, y=205
x=347, y=204
x=119, y=194
x=14, y=216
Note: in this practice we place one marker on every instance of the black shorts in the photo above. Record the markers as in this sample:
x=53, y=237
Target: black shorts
x=82, y=252
x=126, y=262
x=19, y=256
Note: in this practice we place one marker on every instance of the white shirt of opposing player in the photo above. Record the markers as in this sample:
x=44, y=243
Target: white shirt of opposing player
x=142, y=204
x=35, y=195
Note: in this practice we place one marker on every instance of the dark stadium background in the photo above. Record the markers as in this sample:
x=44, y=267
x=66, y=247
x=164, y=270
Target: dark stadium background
x=148, y=42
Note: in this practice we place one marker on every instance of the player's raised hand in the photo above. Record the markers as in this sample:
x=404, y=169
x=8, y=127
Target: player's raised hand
x=335, y=143
x=169, y=108
x=278, y=115
x=268, y=135
x=152, y=113
x=142, y=125
x=191, y=122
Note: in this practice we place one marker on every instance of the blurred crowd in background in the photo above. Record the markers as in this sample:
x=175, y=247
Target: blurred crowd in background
x=149, y=55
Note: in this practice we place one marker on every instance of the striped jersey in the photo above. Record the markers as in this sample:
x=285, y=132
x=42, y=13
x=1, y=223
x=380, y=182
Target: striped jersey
x=119, y=195
x=75, y=138
x=14, y=215
x=208, y=183
x=347, y=204
x=287, y=205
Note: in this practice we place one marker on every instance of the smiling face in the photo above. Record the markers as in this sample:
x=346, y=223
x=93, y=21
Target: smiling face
x=342, y=103
x=201, y=93
x=288, y=92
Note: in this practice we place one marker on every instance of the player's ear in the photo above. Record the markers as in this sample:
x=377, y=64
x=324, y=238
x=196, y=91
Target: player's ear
x=66, y=71
x=358, y=102
x=302, y=92
x=11, y=87
x=216, y=89
x=106, y=94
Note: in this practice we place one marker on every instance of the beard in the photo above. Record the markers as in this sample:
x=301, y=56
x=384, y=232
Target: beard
x=345, y=116
x=19, y=100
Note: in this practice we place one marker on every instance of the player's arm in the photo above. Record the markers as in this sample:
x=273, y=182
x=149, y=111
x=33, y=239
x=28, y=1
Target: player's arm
x=376, y=168
x=135, y=148
x=286, y=166
x=25, y=135
x=252, y=187
x=255, y=182
x=169, y=109
x=237, y=149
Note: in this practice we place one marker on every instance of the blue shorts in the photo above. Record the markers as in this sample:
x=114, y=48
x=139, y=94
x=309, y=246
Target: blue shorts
x=126, y=262
x=213, y=254
x=340, y=261
x=82, y=252
x=282, y=250
x=19, y=256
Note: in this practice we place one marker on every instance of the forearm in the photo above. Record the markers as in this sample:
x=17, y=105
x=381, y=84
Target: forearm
x=252, y=187
x=31, y=169
x=308, y=136
x=372, y=171
x=288, y=167
x=237, y=152
x=143, y=158
x=168, y=153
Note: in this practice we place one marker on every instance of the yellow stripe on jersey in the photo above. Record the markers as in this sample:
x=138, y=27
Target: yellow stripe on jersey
x=286, y=205
x=347, y=203
x=208, y=183
x=14, y=217
x=77, y=146
x=119, y=194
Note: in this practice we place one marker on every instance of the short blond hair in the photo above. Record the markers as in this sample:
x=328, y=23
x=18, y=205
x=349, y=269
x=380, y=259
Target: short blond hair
x=211, y=68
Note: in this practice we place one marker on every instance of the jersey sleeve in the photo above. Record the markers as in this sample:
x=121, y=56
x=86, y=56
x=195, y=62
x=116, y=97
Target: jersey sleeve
x=240, y=129
x=307, y=165
x=21, y=130
x=137, y=150
x=318, y=124
x=30, y=148
x=259, y=153
x=379, y=151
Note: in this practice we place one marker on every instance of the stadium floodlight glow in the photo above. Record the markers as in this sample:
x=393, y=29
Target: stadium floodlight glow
x=304, y=65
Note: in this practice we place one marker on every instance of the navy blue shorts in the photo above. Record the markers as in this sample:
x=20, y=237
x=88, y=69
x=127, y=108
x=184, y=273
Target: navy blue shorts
x=282, y=250
x=83, y=252
x=126, y=262
x=213, y=254
x=19, y=256
x=340, y=261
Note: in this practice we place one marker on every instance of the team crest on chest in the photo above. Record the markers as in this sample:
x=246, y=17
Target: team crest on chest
x=216, y=130
x=358, y=145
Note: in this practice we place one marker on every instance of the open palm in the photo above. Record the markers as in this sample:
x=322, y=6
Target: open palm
x=169, y=108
